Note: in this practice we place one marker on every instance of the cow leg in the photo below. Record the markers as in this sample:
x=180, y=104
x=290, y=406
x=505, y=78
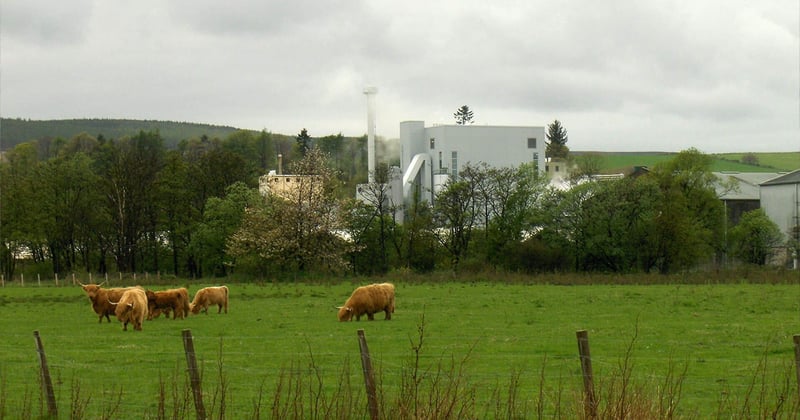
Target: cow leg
x=370, y=316
x=388, y=314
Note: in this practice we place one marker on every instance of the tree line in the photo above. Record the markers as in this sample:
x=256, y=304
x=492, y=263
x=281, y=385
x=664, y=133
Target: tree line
x=133, y=205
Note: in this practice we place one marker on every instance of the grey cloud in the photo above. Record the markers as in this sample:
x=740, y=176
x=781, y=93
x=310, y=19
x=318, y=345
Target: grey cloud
x=44, y=22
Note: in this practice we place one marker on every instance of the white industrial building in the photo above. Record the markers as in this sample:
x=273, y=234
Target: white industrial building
x=429, y=156
x=780, y=199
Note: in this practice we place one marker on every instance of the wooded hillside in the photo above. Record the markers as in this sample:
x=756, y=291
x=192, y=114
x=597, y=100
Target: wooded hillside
x=14, y=130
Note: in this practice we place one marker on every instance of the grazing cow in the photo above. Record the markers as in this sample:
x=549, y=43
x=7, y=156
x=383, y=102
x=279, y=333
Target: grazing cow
x=208, y=296
x=368, y=300
x=132, y=308
x=100, y=298
x=175, y=300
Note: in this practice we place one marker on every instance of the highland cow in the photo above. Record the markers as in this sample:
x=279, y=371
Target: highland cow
x=368, y=300
x=100, y=299
x=208, y=296
x=131, y=308
x=174, y=300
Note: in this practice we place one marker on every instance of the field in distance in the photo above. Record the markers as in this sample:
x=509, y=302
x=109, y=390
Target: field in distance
x=614, y=162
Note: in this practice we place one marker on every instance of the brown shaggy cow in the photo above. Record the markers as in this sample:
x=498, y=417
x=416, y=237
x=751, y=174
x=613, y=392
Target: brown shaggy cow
x=369, y=300
x=132, y=308
x=208, y=296
x=175, y=300
x=100, y=298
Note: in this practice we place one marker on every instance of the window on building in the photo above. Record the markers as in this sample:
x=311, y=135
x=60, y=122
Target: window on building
x=536, y=160
x=433, y=143
x=531, y=142
x=454, y=166
x=440, y=161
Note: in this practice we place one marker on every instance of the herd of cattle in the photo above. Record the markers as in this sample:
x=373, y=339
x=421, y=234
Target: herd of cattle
x=132, y=305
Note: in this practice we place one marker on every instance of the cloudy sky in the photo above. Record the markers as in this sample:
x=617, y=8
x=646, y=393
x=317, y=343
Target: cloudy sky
x=621, y=75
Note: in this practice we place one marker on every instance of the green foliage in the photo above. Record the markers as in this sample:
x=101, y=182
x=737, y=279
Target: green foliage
x=690, y=222
x=295, y=229
x=756, y=238
x=222, y=217
x=587, y=164
x=133, y=203
x=453, y=218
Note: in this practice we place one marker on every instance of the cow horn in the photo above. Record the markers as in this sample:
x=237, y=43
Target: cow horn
x=102, y=283
x=113, y=303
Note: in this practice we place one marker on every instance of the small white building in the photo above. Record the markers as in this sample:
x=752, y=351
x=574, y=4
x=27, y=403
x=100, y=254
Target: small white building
x=429, y=156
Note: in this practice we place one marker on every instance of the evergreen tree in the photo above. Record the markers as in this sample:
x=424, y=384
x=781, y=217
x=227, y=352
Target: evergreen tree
x=303, y=142
x=463, y=115
x=557, y=140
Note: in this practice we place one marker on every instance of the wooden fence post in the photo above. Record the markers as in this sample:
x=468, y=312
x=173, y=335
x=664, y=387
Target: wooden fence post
x=369, y=378
x=797, y=360
x=194, y=375
x=47, y=382
x=589, y=402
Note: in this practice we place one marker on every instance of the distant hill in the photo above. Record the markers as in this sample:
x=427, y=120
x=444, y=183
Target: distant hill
x=616, y=162
x=14, y=130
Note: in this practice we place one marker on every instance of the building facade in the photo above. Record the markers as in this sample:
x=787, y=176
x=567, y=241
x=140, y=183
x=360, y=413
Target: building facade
x=780, y=199
x=429, y=156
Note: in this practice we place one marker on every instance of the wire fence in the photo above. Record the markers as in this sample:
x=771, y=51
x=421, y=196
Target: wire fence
x=555, y=371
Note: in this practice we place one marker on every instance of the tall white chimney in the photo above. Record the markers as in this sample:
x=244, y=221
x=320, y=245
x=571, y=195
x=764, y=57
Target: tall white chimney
x=370, y=91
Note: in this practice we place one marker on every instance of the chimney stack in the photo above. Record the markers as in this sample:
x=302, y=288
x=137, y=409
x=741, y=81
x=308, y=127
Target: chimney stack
x=370, y=91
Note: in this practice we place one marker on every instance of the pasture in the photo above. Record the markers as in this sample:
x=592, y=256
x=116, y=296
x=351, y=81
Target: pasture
x=729, y=345
x=767, y=162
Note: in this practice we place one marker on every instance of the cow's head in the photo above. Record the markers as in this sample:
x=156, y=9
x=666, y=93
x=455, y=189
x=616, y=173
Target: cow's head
x=91, y=290
x=345, y=313
x=151, y=296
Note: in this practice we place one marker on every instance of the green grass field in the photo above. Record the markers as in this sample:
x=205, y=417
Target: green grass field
x=767, y=162
x=731, y=339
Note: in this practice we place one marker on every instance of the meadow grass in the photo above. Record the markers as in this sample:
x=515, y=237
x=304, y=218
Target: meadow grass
x=728, y=345
x=767, y=162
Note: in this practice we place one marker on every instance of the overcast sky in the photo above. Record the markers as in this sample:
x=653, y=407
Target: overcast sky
x=717, y=75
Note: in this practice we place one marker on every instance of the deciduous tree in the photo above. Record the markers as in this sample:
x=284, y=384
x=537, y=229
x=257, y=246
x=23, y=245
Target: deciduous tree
x=297, y=229
x=454, y=218
x=756, y=238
